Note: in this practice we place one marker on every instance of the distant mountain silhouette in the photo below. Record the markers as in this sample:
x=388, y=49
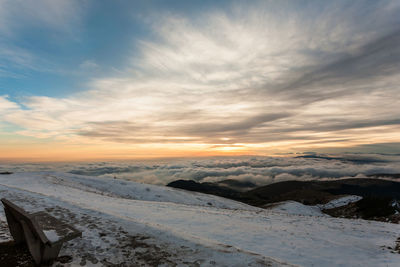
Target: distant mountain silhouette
x=236, y=185
x=306, y=192
x=361, y=160
x=208, y=188
x=317, y=192
x=385, y=175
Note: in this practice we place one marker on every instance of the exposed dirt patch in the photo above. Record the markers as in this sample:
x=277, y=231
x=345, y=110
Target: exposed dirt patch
x=397, y=246
x=15, y=255
x=4, y=232
x=145, y=252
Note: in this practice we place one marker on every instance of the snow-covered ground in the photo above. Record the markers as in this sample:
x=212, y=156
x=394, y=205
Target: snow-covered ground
x=339, y=202
x=135, y=223
x=296, y=208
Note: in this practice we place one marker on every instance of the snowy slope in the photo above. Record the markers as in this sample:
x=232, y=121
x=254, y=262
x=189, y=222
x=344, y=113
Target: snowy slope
x=296, y=208
x=126, y=189
x=224, y=234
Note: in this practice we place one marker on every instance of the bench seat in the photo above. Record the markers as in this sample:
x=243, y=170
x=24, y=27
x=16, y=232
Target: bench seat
x=54, y=227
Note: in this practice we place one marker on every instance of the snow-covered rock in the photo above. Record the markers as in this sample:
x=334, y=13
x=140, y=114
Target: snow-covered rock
x=339, y=202
x=296, y=208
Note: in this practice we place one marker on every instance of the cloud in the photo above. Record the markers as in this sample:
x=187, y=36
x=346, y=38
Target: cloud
x=259, y=170
x=376, y=59
x=258, y=75
x=6, y=104
x=57, y=14
x=245, y=124
x=18, y=19
x=88, y=65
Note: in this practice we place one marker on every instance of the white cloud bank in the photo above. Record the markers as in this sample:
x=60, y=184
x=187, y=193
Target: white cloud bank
x=259, y=170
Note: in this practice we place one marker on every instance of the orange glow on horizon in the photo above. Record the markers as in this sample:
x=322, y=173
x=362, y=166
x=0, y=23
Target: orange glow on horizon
x=28, y=149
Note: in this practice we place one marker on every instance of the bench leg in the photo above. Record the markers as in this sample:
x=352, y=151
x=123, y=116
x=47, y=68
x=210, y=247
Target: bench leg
x=34, y=244
x=40, y=252
x=50, y=253
x=15, y=227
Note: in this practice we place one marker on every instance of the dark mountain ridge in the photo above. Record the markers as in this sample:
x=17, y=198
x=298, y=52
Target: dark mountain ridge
x=319, y=192
x=207, y=188
x=306, y=192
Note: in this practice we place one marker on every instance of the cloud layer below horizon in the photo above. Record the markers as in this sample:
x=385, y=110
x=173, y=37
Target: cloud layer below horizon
x=258, y=170
x=255, y=78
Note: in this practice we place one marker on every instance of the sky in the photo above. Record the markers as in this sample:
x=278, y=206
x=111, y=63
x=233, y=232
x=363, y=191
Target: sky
x=145, y=79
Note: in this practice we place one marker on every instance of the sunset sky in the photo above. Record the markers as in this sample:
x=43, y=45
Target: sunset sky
x=143, y=79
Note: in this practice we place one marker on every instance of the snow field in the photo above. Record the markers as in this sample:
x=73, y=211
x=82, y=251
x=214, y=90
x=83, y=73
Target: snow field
x=238, y=229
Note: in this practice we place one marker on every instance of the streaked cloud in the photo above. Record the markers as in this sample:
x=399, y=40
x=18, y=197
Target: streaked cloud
x=58, y=14
x=18, y=19
x=262, y=76
x=7, y=105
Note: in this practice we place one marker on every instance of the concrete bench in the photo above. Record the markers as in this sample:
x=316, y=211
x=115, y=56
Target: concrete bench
x=43, y=234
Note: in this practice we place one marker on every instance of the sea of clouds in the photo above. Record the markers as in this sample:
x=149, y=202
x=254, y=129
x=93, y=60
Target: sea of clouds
x=259, y=170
